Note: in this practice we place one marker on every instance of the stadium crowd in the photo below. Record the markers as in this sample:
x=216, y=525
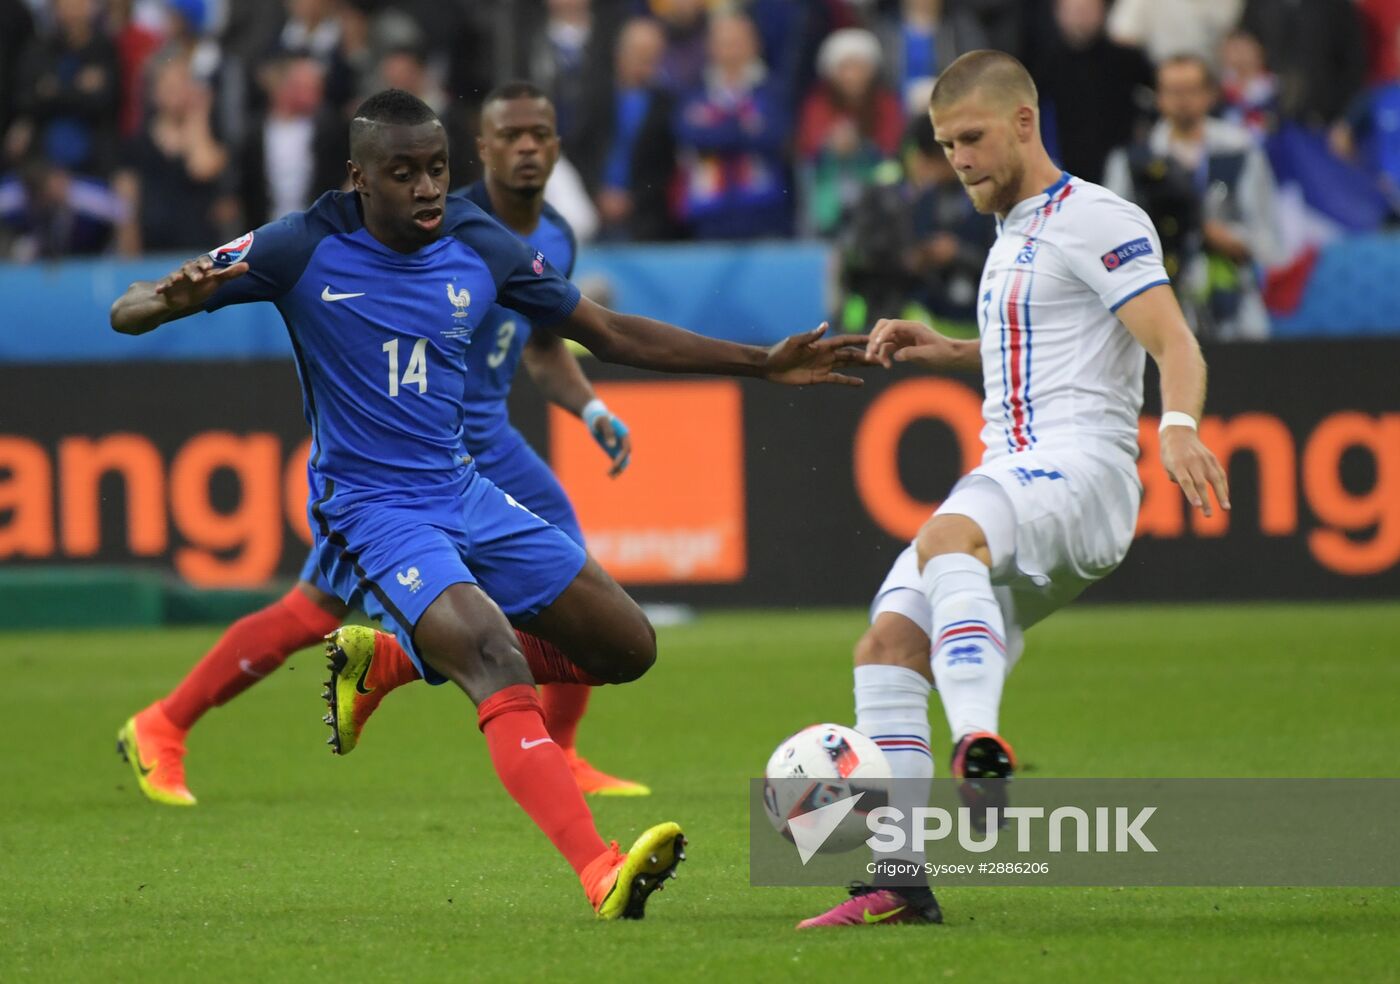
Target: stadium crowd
x=132, y=126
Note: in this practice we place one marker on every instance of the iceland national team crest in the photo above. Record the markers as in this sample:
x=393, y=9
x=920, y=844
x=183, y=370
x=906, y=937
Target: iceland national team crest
x=1126, y=253
x=230, y=253
x=538, y=264
x=461, y=300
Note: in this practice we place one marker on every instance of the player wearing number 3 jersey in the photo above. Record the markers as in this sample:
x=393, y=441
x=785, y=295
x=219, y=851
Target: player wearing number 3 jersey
x=1072, y=298
x=404, y=525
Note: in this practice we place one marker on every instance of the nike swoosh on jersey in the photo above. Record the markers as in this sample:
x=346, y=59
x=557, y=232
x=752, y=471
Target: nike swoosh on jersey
x=532, y=744
x=326, y=295
x=872, y=918
x=247, y=668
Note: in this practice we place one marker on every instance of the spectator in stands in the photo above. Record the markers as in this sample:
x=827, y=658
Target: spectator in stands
x=311, y=28
x=683, y=66
x=47, y=213
x=850, y=123
x=314, y=28
x=790, y=33
x=1248, y=90
x=924, y=37
x=189, y=36
x=137, y=39
x=170, y=179
x=913, y=247
x=1370, y=134
x=1235, y=191
x=1165, y=28
x=629, y=156
x=731, y=134
x=1317, y=49
x=560, y=58
x=298, y=150
x=67, y=94
x=1093, y=91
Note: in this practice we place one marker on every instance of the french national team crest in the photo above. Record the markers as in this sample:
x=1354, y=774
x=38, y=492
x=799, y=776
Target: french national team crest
x=461, y=300
x=538, y=265
x=231, y=252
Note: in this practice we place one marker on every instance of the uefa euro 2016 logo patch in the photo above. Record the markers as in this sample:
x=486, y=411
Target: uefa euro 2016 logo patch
x=1115, y=258
x=230, y=253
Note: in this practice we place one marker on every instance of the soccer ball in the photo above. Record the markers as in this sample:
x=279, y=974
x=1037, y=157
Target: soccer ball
x=836, y=763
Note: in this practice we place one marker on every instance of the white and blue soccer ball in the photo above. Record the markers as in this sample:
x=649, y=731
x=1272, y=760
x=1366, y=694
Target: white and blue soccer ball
x=821, y=765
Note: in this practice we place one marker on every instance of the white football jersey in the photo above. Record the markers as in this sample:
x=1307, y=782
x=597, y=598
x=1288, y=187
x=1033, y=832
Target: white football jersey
x=1059, y=368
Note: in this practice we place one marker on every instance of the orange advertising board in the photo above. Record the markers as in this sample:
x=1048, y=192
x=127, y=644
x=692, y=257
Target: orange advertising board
x=676, y=515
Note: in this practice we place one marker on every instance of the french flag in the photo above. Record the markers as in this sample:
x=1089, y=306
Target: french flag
x=1321, y=198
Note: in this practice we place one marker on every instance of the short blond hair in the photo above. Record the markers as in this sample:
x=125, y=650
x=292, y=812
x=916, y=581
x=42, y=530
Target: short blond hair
x=996, y=73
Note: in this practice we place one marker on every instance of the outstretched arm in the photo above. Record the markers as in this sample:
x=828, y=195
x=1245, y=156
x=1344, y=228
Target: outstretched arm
x=893, y=341
x=1154, y=318
x=560, y=378
x=147, y=305
x=634, y=341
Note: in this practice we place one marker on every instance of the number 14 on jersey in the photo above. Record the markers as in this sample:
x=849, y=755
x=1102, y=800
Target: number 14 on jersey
x=416, y=372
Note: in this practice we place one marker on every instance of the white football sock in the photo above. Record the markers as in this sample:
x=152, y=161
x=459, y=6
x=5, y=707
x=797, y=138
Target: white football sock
x=892, y=710
x=969, y=641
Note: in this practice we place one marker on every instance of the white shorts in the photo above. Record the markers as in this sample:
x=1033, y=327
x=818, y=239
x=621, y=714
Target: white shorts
x=1055, y=522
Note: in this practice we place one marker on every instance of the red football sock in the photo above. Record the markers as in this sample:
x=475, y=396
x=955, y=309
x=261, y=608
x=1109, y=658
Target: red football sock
x=533, y=770
x=391, y=666
x=564, y=704
x=548, y=664
x=249, y=650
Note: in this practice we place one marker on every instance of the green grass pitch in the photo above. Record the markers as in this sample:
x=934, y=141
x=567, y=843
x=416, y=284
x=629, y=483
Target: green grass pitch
x=406, y=861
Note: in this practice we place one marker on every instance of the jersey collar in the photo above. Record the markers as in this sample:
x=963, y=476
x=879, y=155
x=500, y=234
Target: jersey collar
x=1028, y=205
x=407, y=259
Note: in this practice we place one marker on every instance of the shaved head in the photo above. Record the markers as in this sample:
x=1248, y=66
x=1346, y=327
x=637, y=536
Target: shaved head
x=994, y=75
x=381, y=112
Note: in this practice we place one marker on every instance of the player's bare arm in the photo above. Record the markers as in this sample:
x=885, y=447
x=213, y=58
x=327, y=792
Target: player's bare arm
x=1154, y=318
x=629, y=340
x=555, y=370
x=147, y=305
x=893, y=341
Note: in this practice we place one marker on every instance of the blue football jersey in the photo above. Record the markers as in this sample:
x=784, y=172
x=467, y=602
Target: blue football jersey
x=381, y=337
x=494, y=354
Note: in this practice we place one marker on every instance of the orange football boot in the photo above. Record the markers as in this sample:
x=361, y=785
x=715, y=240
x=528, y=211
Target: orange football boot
x=155, y=748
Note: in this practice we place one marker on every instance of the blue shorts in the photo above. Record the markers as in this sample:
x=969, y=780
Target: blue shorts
x=514, y=467
x=392, y=558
